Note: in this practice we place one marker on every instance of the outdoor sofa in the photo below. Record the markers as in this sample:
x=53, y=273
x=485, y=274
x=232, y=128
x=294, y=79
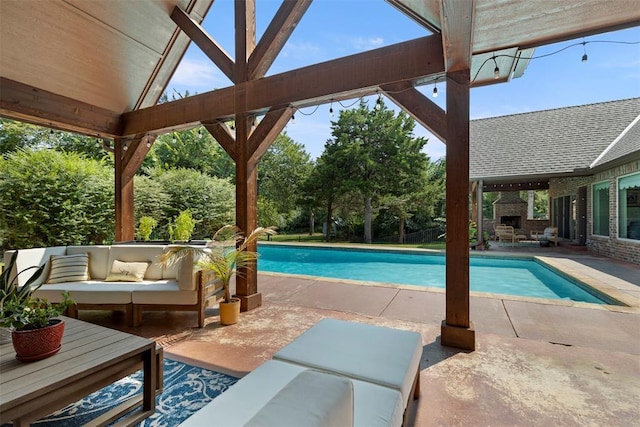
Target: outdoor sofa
x=127, y=277
x=335, y=374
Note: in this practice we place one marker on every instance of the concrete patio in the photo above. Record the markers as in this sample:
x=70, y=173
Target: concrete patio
x=536, y=362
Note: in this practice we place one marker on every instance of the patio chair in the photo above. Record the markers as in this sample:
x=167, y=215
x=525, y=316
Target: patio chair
x=506, y=233
x=550, y=234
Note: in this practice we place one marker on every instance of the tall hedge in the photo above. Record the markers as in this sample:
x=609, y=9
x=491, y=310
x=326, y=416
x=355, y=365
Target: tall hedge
x=50, y=198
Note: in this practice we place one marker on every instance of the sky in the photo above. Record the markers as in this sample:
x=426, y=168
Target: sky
x=335, y=28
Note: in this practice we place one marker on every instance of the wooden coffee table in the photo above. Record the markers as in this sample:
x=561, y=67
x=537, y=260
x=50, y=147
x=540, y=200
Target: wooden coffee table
x=91, y=358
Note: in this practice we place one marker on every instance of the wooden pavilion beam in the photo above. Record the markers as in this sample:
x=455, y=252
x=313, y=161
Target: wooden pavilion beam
x=418, y=106
x=29, y=104
x=225, y=138
x=267, y=132
x=207, y=44
x=457, y=22
x=407, y=61
x=275, y=37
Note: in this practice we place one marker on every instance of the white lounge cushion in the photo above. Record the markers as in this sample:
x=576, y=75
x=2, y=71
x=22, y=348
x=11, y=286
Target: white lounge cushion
x=310, y=399
x=374, y=405
x=385, y=356
x=90, y=292
x=163, y=292
x=33, y=257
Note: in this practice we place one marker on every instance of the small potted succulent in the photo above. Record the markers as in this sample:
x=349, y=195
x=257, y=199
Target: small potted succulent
x=221, y=257
x=36, y=332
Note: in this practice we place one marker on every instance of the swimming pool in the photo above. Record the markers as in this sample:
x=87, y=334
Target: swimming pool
x=521, y=277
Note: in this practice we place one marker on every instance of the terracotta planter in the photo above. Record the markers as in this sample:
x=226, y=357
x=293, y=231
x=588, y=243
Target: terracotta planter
x=229, y=311
x=36, y=344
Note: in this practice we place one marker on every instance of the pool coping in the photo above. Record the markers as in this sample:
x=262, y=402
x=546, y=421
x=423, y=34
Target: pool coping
x=584, y=274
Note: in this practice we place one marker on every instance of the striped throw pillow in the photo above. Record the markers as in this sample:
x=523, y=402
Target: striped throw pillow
x=68, y=268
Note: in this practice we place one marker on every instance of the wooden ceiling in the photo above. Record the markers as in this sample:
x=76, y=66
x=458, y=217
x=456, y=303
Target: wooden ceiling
x=99, y=66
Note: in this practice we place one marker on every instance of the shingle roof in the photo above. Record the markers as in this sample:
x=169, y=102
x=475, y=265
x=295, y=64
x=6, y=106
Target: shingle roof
x=553, y=142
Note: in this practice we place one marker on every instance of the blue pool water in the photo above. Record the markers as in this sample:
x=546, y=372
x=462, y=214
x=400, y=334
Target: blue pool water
x=495, y=275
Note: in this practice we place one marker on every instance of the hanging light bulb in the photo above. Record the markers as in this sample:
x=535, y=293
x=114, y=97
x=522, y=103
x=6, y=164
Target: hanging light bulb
x=293, y=118
x=496, y=71
x=378, y=103
x=125, y=147
x=435, y=90
x=584, y=57
x=331, y=109
x=200, y=132
x=98, y=143
x=174, y=139
x=233, y=126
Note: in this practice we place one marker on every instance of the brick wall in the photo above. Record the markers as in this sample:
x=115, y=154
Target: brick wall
x=624, y=249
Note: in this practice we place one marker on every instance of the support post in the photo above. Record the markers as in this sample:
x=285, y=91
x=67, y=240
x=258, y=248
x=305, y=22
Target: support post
x=123, y=195
x=480, y=214
x=457, y=329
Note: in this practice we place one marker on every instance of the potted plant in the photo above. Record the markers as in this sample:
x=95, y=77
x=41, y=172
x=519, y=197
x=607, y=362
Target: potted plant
x=36, y=332
x=146, y=227
x=223, y=257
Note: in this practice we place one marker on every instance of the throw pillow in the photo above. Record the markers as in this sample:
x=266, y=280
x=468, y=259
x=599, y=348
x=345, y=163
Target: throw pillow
x=127, y=271
x=68, y=268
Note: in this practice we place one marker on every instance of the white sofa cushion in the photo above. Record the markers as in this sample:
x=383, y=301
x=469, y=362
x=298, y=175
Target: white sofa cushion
x=33, y=257
x=373, y=405
x=139, y=253
x=90, y=292
x=68, y=268
x=310, y=399
x=98, y=259
x=163, y=292
x=385, y=356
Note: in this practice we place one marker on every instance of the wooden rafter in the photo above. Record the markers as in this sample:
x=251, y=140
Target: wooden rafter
x=275, y=37
x=267, y=131
x=421, y=108
x=225, y=138
x=23, y=102
x=137, y=150
x=407, y=61
x=207, y=44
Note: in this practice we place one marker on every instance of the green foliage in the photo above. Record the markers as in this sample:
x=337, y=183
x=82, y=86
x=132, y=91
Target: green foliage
x=281, y=173
x=146, y=226
x=51, y=198
x=210, y=200
x=184, y=225
x=176, y=150
x=9, y=289
x=150, y=199
x=34, y=313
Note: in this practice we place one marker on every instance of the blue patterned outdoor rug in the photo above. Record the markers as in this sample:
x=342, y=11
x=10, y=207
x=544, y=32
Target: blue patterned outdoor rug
x=186, y=389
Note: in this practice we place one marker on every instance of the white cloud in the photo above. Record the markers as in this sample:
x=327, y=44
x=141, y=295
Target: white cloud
x=367, y=43
x=198, y=76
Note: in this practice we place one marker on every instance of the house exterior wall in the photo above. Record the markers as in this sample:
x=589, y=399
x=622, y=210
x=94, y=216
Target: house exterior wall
x=612, y=246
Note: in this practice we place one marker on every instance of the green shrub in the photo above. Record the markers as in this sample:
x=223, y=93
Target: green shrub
x=51, y=198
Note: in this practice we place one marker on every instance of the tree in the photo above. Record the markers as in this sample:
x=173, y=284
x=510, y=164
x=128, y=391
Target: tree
x=281, y=172
x=52, y=198
x=193, y=149
x=377, y=155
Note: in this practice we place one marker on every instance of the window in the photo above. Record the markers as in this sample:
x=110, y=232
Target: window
x=629, y=207
x=601, y=208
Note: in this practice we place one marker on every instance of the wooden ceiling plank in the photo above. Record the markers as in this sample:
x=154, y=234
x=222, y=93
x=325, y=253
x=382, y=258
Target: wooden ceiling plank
x=207, y=44
x=267, y=131
x=23, y=102
x=418, y=106
x=225, y=138
x=410, y=61
x=420, y=11
x=457, y=33
x=275, y=37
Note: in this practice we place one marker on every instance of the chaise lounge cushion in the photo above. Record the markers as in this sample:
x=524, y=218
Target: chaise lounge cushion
x=380, y=355
x=373, y=405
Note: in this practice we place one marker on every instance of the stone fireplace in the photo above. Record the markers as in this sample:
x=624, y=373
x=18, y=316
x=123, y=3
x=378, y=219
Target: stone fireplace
x=510, y=209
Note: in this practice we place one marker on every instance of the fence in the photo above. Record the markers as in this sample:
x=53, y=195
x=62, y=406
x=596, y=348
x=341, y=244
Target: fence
x=429, y=235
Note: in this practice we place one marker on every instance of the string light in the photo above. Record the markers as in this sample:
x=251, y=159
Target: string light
x=584, y=57
x=293, y=118
x=98, y=143
x=496, y=71
x=331, y=108
x=200, y=133
x=435, y=89
x=125, y=147
x=378, y=102
x=175, y=138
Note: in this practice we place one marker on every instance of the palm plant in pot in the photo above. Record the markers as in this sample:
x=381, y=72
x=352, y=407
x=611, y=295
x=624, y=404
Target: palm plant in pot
x=225, y=255
x=36, y=332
